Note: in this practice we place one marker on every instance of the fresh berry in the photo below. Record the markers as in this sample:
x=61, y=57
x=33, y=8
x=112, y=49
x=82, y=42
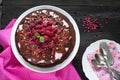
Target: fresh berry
x=55, y=39
x=46, y=38
x=42, y=31
x=44, y=24
x=55, y=29
x=39, y=26
x=47, y=32
x=40, y=21
x=32, y=42
x=33, y=38
x=49, y=23
x=49, y=28
x=52, y=34
x=28, y=33
x=32, y=25
x=51, y=45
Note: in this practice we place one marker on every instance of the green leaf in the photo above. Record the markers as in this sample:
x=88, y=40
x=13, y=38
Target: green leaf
x=41, y=39
x=37, y=35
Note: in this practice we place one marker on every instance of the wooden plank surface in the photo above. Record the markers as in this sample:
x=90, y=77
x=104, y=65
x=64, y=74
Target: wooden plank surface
x=77, y=9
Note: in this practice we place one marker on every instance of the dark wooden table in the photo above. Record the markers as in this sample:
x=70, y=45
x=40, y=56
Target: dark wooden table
x=77, y=9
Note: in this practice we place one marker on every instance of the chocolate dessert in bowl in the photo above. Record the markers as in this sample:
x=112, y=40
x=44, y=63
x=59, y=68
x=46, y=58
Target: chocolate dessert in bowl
x=45, y=38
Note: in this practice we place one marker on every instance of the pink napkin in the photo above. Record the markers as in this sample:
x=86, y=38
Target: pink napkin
x=11, y=69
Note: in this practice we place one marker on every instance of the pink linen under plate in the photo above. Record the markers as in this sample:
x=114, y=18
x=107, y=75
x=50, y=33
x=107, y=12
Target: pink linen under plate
x=11, y=69
x=102, y=73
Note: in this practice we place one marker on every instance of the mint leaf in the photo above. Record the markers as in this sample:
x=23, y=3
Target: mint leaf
x=37, y=35
x=41, y=39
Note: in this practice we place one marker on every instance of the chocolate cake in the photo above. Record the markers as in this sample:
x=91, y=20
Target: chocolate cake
x=45, y=38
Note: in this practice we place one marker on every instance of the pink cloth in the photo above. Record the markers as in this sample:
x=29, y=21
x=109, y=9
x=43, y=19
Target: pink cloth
x=11, y=69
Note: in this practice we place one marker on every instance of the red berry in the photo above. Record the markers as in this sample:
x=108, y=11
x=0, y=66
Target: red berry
x=34, y=31
x=49, y=28
x=37, y=41
x=39, y=26
x=28, y=33
x=47, y=32
x=55, y=39
x=55, y=29
x=32, y=25
x=31, y=42
x=44, y=24
x=51, y=45
x=40, y=21
x=49, y=23
x=33, y=38
x=46, y=38
x=51, y=34
x=42, y=31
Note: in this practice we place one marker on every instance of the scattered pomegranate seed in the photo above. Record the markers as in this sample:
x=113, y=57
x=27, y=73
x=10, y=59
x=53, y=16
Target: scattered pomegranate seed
x=90, y=23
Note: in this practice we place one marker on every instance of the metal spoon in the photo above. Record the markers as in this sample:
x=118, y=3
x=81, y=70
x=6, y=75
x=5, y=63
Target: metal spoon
x=102, y=60
x=98, y=65
x=104, y=50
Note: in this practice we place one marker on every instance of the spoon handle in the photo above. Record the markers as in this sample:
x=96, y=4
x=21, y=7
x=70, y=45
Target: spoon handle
x=109, y=69
x=104, y=49
x=116, y=74
x=113, y=73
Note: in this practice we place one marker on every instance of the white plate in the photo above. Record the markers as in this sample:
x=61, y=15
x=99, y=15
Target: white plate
x=41, y=69
x=89, y=73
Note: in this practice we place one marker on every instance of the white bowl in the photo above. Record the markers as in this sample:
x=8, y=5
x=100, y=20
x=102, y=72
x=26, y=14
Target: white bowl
x=48, y=69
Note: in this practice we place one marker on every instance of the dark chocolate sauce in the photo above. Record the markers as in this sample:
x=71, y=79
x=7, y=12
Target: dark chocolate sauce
x=58, y=34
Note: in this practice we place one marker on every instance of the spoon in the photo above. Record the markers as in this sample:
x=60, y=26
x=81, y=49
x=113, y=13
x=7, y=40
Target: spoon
x=98, y=65
x=102, y=60
x=104, y=50
x=112, y=72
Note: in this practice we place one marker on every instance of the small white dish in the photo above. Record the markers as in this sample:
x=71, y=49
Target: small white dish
x=49, y=69
x=87, y=69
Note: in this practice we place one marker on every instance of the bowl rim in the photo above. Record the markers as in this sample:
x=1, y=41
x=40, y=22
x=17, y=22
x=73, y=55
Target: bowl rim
x=48, y=69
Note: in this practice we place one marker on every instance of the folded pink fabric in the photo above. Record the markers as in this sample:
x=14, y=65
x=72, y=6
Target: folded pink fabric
x=11, y=69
